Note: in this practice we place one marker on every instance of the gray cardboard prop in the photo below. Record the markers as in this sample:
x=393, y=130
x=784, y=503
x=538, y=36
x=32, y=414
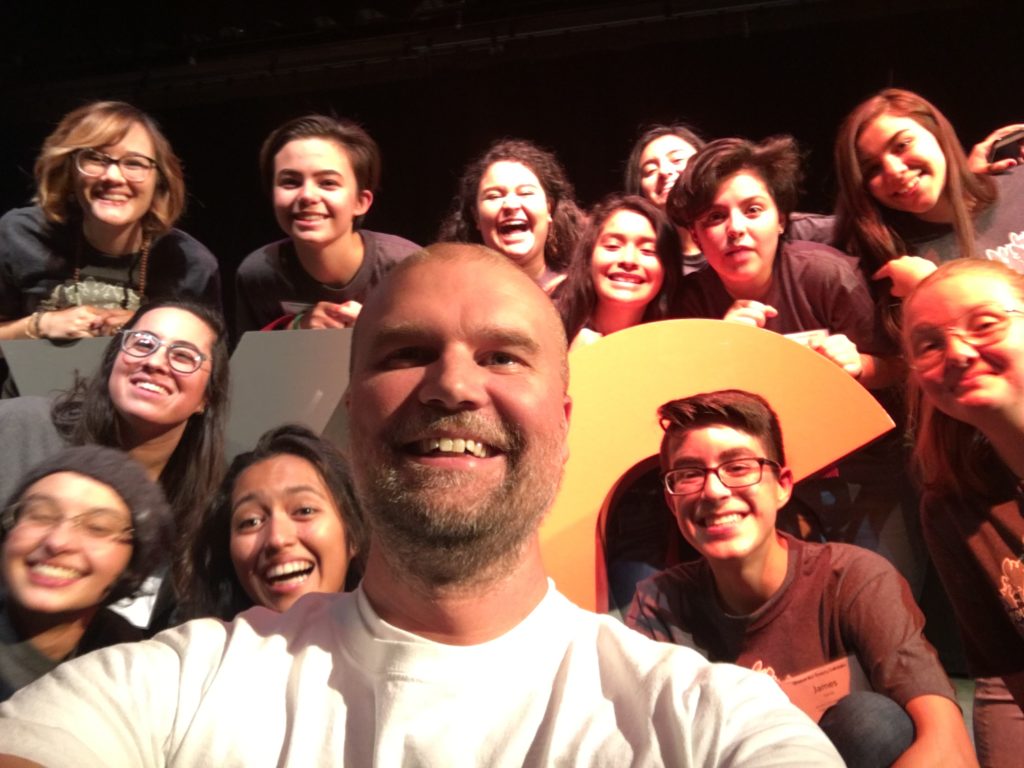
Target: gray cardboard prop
x=288, y=377
x=44, y=368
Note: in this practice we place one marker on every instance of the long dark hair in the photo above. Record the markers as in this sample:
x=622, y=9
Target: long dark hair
x=86, y=414
x=634, y=173
x=215, y=589
x=566, y=218
x=576, y=299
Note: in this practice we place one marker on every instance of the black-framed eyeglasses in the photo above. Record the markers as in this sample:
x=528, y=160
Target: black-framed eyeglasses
x=183, y=358
x=979, y=327
x=40, y=516
x=133, y=166
x=738, y=473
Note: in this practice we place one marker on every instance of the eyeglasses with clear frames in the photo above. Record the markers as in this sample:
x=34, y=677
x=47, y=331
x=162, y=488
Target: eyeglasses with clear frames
x=134, y=167
x=183, y=358
x=979, y=327
x=738, y=473
x=40, y=516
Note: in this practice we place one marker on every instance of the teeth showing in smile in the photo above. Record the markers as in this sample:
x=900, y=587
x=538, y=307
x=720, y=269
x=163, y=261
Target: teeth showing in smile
x=908, y=187
x=452, y=445
x=151, y=387
x=296, y=570
x=628, y=278
x=730, y=519
x=516, y=226
x=55, y=571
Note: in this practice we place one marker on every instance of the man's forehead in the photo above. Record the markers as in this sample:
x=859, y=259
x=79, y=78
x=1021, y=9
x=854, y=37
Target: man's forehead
x=444, y=297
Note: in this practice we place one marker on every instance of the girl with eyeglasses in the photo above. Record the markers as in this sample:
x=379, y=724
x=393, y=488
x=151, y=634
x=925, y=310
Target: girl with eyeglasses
x=963, y=336
x=100, y=238
x=80, y=531
x=160, y=394
x=284, y=523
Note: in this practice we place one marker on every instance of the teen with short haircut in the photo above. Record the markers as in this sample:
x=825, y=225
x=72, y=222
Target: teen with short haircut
x=768, y=601
x=322, y=174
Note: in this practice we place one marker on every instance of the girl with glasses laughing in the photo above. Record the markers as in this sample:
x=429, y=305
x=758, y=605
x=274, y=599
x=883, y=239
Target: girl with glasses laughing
x=82, y=530
x=964, y=341
x=160, y=395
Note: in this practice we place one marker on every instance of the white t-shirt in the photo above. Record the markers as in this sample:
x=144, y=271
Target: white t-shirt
x=331, y=684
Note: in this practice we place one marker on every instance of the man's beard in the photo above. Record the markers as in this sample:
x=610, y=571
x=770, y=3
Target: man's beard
x=436, y=525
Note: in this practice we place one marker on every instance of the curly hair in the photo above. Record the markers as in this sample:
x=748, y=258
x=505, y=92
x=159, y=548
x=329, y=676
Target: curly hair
x=101, y=124
x=776, y=161
x=576, y=298
x=566, y=218
x=215, y=589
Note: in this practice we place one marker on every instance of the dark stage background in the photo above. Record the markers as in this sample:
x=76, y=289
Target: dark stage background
x=434, y=82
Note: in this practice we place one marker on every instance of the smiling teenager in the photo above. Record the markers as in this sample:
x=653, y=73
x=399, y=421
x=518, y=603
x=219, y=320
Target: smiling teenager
x=964, y=341
x=322, y=174
x=284, y=523
x=789, y=608
x=100, y=238
x=517, y=199
x=658, y=156
x=624, y=272
x=160, y=395
x=908, y=199
x=81, y=530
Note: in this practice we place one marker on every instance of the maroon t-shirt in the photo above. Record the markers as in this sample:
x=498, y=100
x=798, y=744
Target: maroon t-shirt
x=836, y=600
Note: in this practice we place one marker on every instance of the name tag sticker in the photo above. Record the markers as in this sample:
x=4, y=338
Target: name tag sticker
x=294, y=307
x=818, y=689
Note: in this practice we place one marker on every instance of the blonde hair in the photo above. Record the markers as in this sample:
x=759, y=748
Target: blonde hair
x=100, y=124
x=950, y=456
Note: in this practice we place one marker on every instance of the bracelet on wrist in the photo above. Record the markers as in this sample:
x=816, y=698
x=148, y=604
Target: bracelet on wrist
x=296, y=323
x=32, y=330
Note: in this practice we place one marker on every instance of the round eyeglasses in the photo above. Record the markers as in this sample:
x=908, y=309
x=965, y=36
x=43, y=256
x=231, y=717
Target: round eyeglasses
x=978, y=327
x=732, y=474
x=40, y=516
x=134, y=167
x=182, y=357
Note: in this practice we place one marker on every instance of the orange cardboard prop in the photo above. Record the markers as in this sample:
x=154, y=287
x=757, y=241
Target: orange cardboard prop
x=617, y=385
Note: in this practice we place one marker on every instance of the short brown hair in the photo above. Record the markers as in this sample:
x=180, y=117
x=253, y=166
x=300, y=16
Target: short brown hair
x=743, y=411
x=360, y=148
x=776, y=161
